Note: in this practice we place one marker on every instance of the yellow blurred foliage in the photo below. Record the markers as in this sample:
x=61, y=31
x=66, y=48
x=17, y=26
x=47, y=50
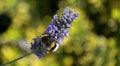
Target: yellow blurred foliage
x=116, y=13
x=9, y=53
x=68, y=61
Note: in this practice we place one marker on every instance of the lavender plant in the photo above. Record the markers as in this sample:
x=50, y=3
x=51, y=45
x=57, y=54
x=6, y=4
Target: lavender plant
x=53, y=36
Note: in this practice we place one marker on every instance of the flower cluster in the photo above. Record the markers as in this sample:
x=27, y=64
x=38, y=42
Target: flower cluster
x=57, y=30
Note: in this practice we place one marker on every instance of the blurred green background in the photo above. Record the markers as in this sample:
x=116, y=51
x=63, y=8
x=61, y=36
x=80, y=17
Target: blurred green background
x=94, y=38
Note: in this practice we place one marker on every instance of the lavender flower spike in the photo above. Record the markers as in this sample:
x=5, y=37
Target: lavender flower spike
x=52, y=38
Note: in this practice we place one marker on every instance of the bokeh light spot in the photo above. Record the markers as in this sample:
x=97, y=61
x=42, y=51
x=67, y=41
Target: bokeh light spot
x=68, y=61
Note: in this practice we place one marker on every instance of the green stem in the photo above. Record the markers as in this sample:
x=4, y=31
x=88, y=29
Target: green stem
x=16, y=59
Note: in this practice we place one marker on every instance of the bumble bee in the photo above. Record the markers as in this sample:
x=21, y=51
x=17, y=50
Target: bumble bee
x=50, y=43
